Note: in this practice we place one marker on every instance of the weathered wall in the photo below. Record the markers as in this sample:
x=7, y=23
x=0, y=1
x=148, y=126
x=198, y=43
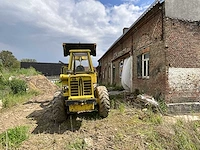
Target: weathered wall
x=182, y=43
x=149, y=37
x=103, y=74
x=174, y=50
x=146, y=35
x=184, y=84
x=117, y=54
x=183, y=9
x=182, y=54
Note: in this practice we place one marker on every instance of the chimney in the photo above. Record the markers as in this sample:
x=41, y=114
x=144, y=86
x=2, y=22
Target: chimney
x=125, y=30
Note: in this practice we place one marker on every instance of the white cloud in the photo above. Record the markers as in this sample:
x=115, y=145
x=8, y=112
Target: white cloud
x=69, y=21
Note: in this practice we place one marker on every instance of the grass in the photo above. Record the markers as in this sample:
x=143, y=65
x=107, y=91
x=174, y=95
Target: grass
x=152, y=117
x=14, y=92
x=77, y=144
x=11, y=100
x=12, y=138
x=6, y=73
x=150, y=130
x=59, y=84
x=117, y=102
x=172, y=136
x=185, y=135
x=27, y=72
x=122, y=107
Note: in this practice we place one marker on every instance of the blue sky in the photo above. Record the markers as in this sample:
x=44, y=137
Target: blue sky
x=36, y=29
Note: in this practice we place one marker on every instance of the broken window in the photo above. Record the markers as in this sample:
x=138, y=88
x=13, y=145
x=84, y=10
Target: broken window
x=143, y=65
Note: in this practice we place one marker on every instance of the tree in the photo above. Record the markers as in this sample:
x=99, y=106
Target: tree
x=28, y=60
x=8, y=60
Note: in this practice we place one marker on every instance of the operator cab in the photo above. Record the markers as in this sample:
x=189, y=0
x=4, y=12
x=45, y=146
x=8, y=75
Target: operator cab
x=80, y=62
x=80, y=57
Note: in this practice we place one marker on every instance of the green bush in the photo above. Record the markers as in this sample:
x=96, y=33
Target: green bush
x=12, y=138
x=18, y=86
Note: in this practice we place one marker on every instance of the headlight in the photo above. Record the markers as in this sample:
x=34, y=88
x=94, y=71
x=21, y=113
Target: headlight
x=65, y=87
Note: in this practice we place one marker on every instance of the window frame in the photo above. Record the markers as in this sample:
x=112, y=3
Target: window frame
x=143, y=65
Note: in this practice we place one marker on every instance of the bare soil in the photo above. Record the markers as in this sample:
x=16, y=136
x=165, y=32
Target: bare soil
x=122, y=129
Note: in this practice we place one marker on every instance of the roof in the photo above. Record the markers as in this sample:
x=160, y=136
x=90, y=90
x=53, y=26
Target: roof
x=146, y=11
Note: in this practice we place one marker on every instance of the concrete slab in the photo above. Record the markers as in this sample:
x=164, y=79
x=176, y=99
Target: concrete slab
x=181, y=108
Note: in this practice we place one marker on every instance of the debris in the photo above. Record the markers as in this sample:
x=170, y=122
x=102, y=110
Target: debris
x=11, y=78
x=88, y=142
x=144, y=110
x=147, y=100
x=144, y=101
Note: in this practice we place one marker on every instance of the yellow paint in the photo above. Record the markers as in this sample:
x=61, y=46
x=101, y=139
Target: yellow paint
x=78, y=108
x=81, y=97
x=72, y=80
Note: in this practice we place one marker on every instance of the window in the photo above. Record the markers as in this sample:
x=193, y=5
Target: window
x=113, y=74
x=109, y=72
x=120, y=68
x=80, y=62
x=139, y=66
x=143, y=65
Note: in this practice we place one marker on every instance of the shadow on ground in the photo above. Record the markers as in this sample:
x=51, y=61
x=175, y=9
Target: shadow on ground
x=46, y=124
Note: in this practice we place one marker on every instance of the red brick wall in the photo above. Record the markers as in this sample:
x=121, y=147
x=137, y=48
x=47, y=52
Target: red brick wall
x=147, y=34
x=149, y=37
x=174, y=57
x=182, y=40
x=104, y=73
x=182, y=51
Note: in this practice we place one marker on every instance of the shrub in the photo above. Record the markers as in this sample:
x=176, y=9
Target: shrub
x=18, y=86
x=1, y=83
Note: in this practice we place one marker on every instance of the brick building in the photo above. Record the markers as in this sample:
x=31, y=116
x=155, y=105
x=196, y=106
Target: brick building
x=163, y=46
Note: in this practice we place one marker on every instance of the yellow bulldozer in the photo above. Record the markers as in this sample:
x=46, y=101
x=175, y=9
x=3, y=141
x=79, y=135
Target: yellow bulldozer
x=80, y=91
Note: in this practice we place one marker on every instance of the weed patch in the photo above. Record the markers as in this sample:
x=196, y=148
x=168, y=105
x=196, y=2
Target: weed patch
x=18, y=86
x=27, y=72
x=185, y=135
x=10, y=100
x=153, y=118
x=12, y=138
x=13, y=92
x=78, y=144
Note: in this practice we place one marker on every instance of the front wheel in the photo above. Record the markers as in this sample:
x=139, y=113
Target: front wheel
x=103, y=101
x=58, y=105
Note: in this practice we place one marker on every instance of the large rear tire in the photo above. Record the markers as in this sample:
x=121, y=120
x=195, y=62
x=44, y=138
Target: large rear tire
x=58, y=105
x=104, y=102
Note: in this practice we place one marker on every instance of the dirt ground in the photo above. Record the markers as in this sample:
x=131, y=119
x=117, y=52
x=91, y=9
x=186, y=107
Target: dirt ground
x=85, y=131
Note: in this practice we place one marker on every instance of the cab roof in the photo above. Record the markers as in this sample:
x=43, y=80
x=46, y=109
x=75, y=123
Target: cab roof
x=79, y=46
